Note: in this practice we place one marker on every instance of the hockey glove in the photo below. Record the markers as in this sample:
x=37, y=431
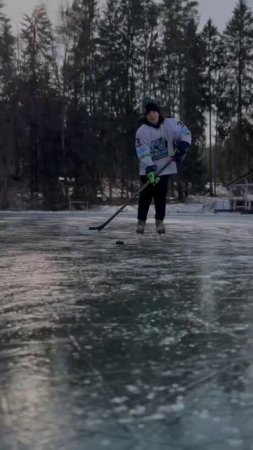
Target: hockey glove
x=152, y=176
x=180, y=150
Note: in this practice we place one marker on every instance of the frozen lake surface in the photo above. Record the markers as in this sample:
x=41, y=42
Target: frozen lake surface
x=142, y=346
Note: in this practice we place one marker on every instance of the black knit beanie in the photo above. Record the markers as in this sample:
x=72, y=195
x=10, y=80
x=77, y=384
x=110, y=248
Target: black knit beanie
x=151, y=106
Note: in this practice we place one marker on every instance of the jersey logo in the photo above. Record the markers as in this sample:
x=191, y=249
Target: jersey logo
x=159, y=149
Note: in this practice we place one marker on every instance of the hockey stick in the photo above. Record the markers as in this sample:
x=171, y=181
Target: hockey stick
x=103, y=225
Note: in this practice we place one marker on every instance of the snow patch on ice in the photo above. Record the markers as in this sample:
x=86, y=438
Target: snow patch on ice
x=175, y=407
x=204, y=414
x=133, y=389
x=167, y=341
x=118, y=400
x=235, y=442
x=106, y=443
x=138, y=410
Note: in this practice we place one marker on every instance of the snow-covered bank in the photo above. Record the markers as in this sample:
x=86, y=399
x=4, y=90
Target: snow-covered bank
x=197, y=205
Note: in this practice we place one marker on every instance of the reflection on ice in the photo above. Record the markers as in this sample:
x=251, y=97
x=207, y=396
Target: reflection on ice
x=141, y=346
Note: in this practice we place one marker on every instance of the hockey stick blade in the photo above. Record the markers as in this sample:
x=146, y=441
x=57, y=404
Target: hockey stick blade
x=96, y=228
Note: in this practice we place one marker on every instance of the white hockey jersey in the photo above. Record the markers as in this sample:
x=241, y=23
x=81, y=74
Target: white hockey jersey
x=155, y=145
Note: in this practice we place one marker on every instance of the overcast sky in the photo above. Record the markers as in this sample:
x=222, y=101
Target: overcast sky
x=219, y=10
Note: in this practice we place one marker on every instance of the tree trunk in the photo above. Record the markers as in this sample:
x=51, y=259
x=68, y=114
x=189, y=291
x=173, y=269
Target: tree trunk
x=3, y=179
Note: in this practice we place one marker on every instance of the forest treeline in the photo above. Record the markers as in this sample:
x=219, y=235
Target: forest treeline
x=71, y=96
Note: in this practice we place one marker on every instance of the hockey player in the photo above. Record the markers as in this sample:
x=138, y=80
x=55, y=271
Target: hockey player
x=157, y=141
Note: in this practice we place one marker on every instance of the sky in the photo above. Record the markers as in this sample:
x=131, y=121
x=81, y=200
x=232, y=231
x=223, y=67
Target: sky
x=219, y=10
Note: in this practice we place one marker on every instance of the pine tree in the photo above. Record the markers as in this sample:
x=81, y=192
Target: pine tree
x=193, y=94
x=238, y=42
x=111, y=60
x=7, y=109
x=175, y=17
x=80, y=67
x=149, y=51
x=37, y=39
x=211, y=40
x=183, y=71
x=81, y=20
x=123, y=48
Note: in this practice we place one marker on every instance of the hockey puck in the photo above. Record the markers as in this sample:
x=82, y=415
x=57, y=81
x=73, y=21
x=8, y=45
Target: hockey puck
x=120, y=242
